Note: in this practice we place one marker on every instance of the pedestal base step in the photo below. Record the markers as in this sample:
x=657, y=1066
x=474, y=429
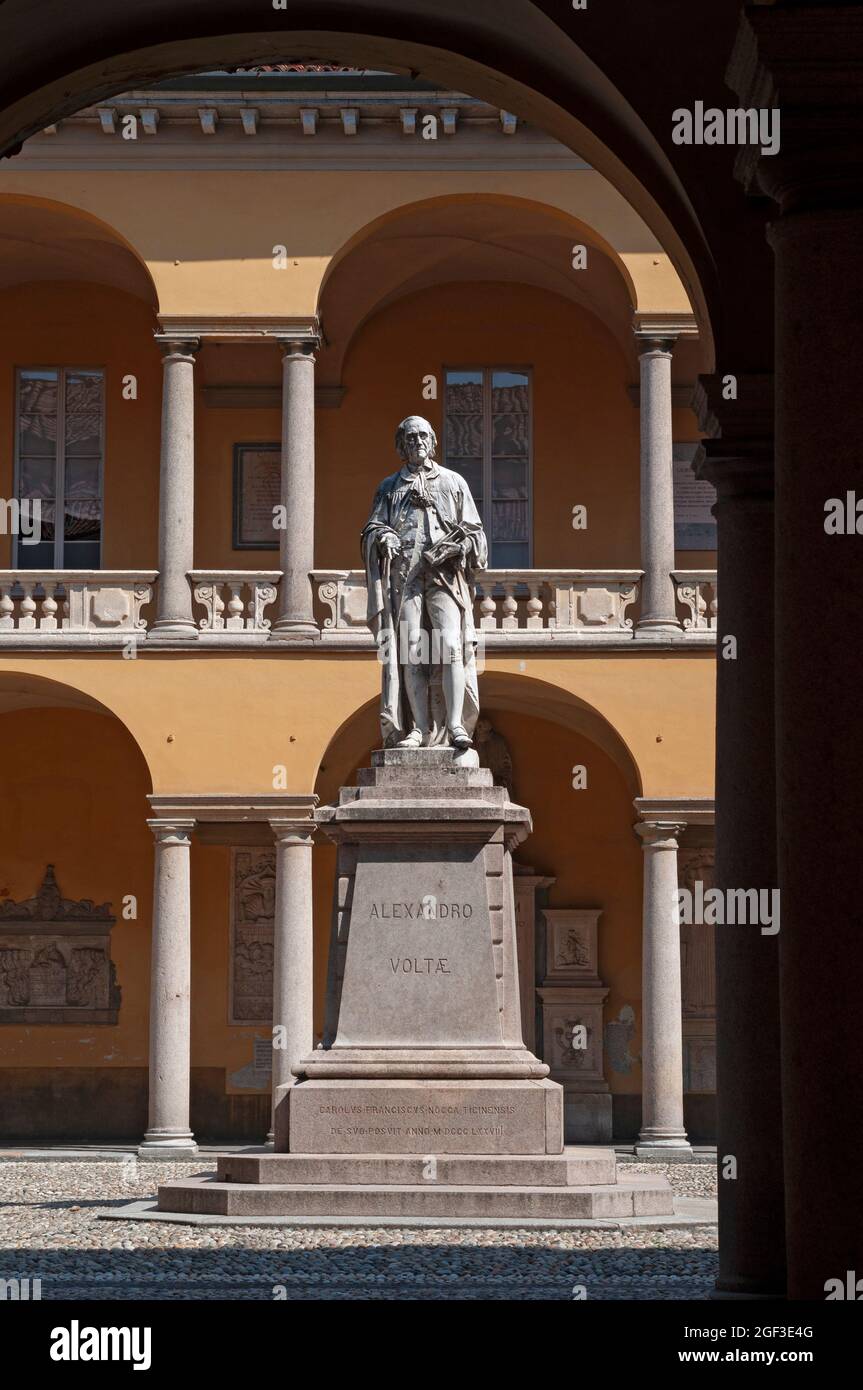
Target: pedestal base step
x=573, y=1168
x=208, y=1196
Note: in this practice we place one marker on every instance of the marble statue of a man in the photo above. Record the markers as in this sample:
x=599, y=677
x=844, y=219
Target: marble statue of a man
x=421, y=545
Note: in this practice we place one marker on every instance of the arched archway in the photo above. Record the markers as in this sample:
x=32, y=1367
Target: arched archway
x=527, y=62
x=43, y=240
x=581, y=857
x=74, y=965
x=469, y=238
x=351, y=743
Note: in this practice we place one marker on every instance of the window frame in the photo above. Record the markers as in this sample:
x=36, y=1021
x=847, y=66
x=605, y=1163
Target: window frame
x=60, y=456
x=488, y=441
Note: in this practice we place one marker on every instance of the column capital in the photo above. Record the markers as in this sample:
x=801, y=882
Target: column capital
x=298, y=345
x=659, y=834
x=804, y=64
x=690, y=810
x=660, y=332
x=181, y=348
x=172, y=831
x=288, y=831
x=738, y=459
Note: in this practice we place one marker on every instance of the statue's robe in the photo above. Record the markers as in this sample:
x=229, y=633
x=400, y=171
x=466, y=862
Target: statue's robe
x=446, y=502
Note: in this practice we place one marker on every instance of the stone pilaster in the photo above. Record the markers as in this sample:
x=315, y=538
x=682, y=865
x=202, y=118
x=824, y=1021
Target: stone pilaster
x=170, y=976
x=293, y=950
x=174, y=618
x=662, y=1131
x=807, y=59
x=658, y=607
x=296, y=615
x=749, y=1109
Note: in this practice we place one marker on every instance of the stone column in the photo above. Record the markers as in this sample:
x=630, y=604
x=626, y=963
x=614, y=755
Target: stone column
x=174, y=617
x=662, y=1131
x=293, y=950
x=170, y=973
x=296, y=616
x=658, y=606
x=748, y=1099
x=811, y=56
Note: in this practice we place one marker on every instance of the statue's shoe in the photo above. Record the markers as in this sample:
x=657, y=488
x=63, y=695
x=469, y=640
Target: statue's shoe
x=459, y=737
x=413, y=740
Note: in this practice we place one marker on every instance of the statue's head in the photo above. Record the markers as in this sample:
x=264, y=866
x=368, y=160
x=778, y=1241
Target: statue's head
x=482, y=730
x=416, y=441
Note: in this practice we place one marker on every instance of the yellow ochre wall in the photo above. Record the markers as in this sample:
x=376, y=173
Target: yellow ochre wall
x=73, y=782
x=207, y=237
x=74, y=793
x=213, y=722
x=65, y=324
x=585, y=430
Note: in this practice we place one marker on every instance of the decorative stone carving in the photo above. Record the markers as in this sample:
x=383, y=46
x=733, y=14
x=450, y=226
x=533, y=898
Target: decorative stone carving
x=571, y=947
x=55, y=959
x=572, y=998
x=253, y=900
x=493, y=751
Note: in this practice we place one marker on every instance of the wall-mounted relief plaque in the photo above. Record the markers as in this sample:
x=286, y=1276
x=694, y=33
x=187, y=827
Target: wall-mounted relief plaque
x=55, y=959
x=573, y=996
x=253, y=902
x=571, y=945
x=257, y=490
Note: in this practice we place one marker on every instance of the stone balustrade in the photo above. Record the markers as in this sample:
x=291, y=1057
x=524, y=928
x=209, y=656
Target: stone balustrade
x=94, y=604
x=234, y=600
x=697, y=590
x=524, y=607
x=510, y=605
x=584, y=602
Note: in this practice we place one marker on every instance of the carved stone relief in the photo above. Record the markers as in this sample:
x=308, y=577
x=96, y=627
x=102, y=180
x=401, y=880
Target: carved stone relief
x=55, y=959
x=253, y=901
x=573, y=996
x=493, y=751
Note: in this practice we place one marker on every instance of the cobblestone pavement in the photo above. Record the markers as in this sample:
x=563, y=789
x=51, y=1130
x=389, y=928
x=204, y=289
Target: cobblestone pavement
x=50, y=1230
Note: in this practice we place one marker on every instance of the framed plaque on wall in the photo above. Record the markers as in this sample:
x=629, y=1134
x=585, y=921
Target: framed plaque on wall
x=257, y=484
x=694, y=523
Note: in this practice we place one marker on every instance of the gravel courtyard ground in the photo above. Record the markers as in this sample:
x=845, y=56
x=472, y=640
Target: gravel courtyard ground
x=50, y=1230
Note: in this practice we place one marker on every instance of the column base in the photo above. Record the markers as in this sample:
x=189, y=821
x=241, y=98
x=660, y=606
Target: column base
x=295, y=629
x=173, y=1143
x=664, y=1153
x=662, y=627
x=662, y=1147
x=173, y=630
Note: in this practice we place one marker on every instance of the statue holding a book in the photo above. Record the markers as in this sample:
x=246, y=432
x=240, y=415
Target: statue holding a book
x=421, y=545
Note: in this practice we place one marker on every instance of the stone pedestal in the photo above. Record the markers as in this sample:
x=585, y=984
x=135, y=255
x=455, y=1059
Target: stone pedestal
x=423, y=1049
x=423, y=1100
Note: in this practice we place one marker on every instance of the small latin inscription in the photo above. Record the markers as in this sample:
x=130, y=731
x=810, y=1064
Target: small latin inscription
x=430, y=1121
x=427, y=910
